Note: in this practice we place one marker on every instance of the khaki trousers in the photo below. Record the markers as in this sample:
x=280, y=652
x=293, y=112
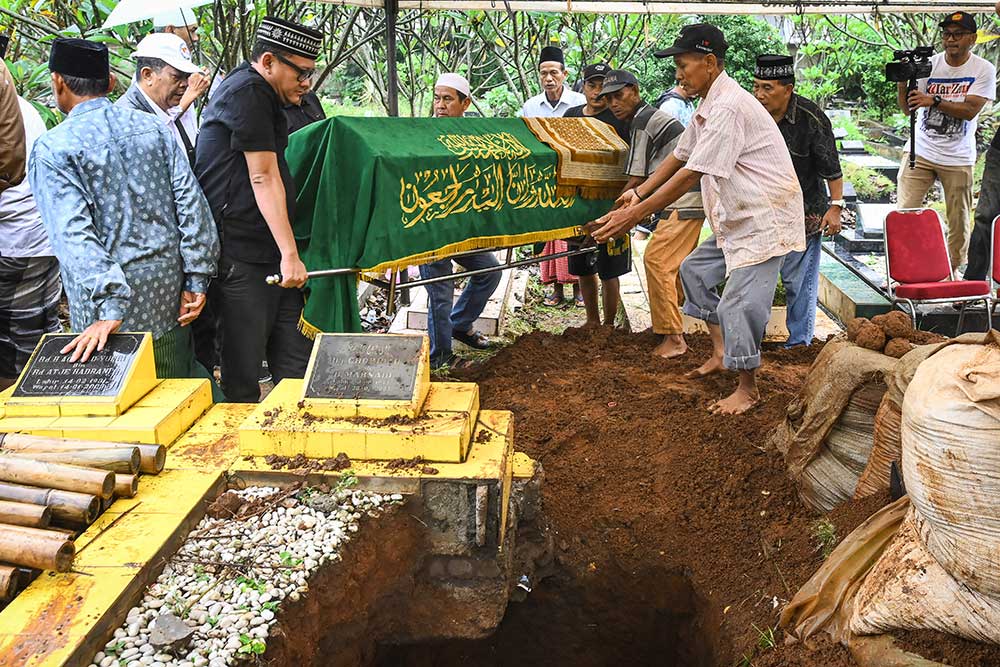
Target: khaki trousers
x=957, y=182
x=673, y=240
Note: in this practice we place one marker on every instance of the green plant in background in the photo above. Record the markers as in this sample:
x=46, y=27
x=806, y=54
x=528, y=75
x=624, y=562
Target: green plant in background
x=847, y=124
x=868, y=184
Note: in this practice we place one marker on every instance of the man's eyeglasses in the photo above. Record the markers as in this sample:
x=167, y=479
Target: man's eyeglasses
x=303, y=74
x=955, y=35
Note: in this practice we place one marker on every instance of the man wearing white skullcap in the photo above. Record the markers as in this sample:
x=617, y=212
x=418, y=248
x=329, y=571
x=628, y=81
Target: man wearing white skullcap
x=445, y=319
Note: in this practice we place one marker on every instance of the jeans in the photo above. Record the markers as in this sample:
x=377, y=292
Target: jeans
x=258, y=321
x=442, y=318
x=745, y=307
x=987, y=209
x=800, y=275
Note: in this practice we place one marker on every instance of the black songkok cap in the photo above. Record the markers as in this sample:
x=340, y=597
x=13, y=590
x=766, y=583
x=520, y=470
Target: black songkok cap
x=551, y=54
x=775, y=68
x=291, y=37
x=79, y=58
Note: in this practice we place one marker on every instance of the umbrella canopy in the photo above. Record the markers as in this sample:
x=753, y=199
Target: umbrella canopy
x=132, y=11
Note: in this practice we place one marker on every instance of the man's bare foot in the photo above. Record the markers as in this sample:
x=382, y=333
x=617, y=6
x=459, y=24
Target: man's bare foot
x=736, y=403
x=713, y=365
x=591, y=324
x=671, y=346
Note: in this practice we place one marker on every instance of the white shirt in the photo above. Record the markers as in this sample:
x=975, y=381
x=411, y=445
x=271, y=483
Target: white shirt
x=539, y=106
x=752, y=197
x=188, y=120
x=944, y=139
x=21, y=230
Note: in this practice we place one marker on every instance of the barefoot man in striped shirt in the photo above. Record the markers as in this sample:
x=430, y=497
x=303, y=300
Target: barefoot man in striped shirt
x=752, y=200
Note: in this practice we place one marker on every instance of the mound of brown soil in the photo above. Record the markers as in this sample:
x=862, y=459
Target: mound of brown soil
x=679, y=535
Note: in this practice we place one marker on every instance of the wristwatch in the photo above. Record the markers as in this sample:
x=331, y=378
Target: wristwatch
x=937, y=100
x=838, y=202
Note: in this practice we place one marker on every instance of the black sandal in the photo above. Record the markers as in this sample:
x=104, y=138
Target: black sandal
x=473, y=339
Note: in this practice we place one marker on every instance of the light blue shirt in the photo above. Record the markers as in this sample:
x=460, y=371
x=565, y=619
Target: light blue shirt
x=679, y=109
x=125, y=215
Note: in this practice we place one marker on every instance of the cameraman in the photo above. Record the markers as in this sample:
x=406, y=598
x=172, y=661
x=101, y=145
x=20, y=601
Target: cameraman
x=947, y=105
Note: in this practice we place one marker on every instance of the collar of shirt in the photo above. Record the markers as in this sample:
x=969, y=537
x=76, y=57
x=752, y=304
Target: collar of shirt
x=792, y=109
x=89, y=105
x=719, y=87
x=562, y=94
x=165, y=116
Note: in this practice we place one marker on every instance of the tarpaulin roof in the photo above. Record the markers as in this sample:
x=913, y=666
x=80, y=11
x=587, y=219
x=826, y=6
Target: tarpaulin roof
x=690, y=6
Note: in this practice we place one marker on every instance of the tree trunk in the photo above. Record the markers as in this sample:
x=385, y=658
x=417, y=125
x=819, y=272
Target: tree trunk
x=152, y=457
x=75, y=508
x=24, y=514
x=57, y=476
x=33, y=547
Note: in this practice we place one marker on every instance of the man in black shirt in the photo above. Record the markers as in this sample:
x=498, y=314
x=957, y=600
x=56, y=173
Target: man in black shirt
x=612, y=259
x=308, y=111
x=241, y=166
x=809, y=137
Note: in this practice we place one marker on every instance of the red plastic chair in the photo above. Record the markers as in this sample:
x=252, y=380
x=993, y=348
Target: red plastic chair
x=919, y=268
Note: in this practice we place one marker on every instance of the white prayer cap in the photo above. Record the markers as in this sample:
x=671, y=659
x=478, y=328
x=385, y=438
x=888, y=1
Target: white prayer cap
x=176, y=17
x=456, y=81
x=171, y=49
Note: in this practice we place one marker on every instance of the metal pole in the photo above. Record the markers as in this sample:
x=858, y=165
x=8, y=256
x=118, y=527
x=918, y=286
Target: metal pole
x=392, y=76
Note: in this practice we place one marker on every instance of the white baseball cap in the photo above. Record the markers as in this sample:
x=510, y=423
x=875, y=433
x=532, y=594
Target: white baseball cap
x=176, y=17
x=456, y=81
x=169, y=48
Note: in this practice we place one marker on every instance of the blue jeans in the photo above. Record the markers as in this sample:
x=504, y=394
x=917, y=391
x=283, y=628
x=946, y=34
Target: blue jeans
x=442, y=318
x=800, y=275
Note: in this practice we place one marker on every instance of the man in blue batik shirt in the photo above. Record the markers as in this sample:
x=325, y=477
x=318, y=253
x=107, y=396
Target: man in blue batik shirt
x=132, y=230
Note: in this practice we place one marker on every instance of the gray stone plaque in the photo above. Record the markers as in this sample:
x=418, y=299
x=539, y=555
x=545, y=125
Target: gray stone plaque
x=50, y=373
x=365, y=366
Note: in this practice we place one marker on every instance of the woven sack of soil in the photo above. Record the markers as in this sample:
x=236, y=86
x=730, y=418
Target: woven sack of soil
x=908, y=589
x=826, y=436
x=888, y=443
x=941, y=572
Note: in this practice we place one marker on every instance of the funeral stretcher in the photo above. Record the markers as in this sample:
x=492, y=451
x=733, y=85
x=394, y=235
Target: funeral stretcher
x=466, y=493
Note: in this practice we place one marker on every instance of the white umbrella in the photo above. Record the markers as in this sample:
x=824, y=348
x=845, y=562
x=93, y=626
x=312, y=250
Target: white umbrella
x=132, y=11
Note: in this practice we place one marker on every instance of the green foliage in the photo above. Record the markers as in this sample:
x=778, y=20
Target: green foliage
x=748, y=37
x=847, y=124
x=868, y=183
x=825, y=534
x=251, y=645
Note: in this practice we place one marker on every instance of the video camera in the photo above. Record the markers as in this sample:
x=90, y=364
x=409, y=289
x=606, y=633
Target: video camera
x=907, y=67
x=910, y=65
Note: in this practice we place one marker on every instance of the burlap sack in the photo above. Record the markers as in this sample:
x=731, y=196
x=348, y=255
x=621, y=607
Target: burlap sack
x=826, y=437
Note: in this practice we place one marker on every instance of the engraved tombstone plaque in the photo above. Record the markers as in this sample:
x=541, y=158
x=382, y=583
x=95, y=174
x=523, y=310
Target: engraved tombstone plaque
x=365, y=367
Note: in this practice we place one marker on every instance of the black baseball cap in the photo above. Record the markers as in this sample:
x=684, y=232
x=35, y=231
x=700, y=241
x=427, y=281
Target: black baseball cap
x=597, y=70
x=962, y=19
x=702, y=38
x=617, y=79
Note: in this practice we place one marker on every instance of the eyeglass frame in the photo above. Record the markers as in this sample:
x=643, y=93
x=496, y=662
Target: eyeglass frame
x=946, y=35
x=303, y=74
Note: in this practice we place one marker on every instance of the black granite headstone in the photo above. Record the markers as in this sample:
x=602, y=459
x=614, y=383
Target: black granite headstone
x=50, y=373
x=365, y=366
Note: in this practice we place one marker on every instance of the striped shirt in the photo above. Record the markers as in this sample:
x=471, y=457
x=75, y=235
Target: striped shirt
x=752, y=196
x=654, y=136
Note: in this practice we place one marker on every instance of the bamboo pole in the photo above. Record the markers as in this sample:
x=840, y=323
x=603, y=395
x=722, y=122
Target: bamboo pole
x=152, y=457
x=25, y=514
x=10, y=582
x=76, y=508
x=57, y=476
x=118, y=460
x=34, y=547
x=126, y=486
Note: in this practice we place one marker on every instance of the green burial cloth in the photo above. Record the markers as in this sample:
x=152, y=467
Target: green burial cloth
x=381, y=193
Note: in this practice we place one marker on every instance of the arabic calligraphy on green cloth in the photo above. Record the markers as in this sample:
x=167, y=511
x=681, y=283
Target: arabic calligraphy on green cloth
x=377, y=193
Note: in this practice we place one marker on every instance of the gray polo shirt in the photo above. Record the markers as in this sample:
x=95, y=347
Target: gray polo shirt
x=654, y=136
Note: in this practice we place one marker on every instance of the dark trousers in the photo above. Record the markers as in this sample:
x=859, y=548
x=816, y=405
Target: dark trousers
x=258, y=321
x=205, y=330
x=987, y=209
x=29, y=308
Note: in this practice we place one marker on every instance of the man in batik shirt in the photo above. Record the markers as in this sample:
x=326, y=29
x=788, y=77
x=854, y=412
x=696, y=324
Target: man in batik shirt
x=132, y=230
